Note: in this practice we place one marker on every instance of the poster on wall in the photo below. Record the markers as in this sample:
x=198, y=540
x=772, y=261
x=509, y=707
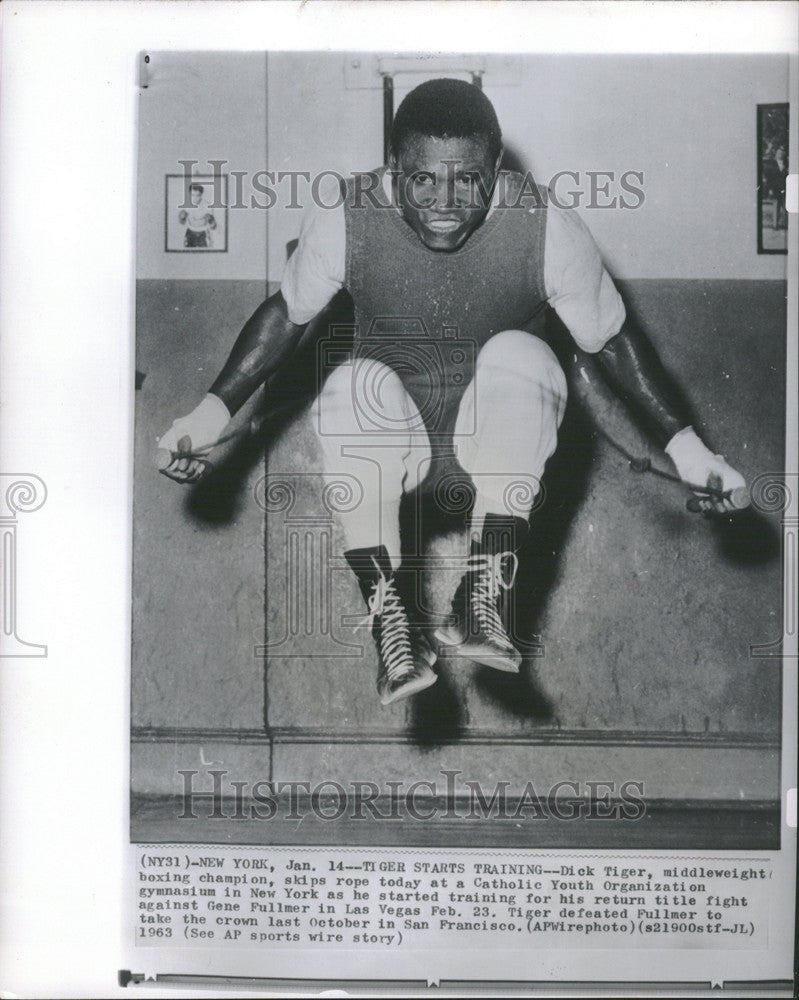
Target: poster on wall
x=196, y=213
x=772, y=151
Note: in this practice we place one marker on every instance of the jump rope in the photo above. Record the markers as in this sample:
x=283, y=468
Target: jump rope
x=738, y=497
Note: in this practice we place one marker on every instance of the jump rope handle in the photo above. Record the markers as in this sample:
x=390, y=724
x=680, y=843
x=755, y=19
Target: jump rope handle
x=164, y=457
x=739, y=498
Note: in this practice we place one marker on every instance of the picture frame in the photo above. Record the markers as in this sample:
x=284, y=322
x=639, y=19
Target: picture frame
x=196, y=213
x=772, y=171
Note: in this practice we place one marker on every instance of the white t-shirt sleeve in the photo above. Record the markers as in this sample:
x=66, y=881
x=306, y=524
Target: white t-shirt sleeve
x=316, y=269
x=577, y=285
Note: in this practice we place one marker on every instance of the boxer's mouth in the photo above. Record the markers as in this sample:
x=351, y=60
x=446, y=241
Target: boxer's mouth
x=443, y=225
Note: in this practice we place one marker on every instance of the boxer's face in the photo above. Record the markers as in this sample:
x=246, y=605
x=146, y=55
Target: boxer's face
x=443, y=187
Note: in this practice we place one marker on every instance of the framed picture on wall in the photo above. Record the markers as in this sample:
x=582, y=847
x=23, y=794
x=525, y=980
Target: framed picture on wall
x=772, y=169
x=196, y=213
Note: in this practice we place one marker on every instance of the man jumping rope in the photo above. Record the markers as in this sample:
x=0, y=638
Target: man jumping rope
x=443, y=240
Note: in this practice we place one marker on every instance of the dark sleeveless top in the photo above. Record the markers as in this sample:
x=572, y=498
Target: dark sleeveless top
x=427, y=313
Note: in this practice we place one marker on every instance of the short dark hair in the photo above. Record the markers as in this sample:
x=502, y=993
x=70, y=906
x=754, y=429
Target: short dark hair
x=446, y=109
x=196, y=187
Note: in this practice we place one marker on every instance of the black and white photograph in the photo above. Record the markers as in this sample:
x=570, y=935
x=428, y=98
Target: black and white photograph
x=399, y=498
x=452, y=479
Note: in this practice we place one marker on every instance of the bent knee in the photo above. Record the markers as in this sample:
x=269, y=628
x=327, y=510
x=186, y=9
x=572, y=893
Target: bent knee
x=517, y=349
x=358, y=377
x=370, y=393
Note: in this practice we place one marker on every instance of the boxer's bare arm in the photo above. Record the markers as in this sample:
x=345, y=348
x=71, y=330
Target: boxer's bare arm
x=266, y=340
x=635, y=372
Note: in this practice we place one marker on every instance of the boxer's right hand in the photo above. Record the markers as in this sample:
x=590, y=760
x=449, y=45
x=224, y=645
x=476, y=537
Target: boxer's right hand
x=182, y=450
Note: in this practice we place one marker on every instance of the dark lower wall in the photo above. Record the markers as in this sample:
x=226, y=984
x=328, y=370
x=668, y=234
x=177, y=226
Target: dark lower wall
x=198, y=563
x=646, y=614
x=659, y=607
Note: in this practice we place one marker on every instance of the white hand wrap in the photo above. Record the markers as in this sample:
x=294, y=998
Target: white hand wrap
x=203, y=426
x=696, y=464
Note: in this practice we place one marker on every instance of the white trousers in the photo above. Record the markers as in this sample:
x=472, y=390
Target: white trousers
x=373, y=438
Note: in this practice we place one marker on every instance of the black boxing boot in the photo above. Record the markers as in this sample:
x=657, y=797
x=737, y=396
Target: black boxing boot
x=405, y=658
x=476, y=630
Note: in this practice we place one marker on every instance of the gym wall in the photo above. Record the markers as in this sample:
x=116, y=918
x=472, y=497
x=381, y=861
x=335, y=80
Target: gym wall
x=649, y=614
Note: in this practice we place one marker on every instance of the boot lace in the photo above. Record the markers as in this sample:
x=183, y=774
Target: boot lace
x=493, y=574
x=394, y=638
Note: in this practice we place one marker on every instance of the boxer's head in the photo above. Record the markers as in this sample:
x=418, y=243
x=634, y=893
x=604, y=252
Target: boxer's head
x=446, y=146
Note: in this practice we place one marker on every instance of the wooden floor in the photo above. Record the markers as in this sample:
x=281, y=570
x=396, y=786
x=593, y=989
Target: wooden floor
x=728, y=826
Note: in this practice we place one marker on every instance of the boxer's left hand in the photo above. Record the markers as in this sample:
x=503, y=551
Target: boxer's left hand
x=697, y=466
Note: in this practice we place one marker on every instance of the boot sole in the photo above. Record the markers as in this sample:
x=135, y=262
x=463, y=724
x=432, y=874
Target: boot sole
x=424, y=680
x=485, y=655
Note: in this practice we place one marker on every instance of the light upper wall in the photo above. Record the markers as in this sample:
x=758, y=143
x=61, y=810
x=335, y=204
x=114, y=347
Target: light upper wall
x=686, y=122
x=201, y=106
